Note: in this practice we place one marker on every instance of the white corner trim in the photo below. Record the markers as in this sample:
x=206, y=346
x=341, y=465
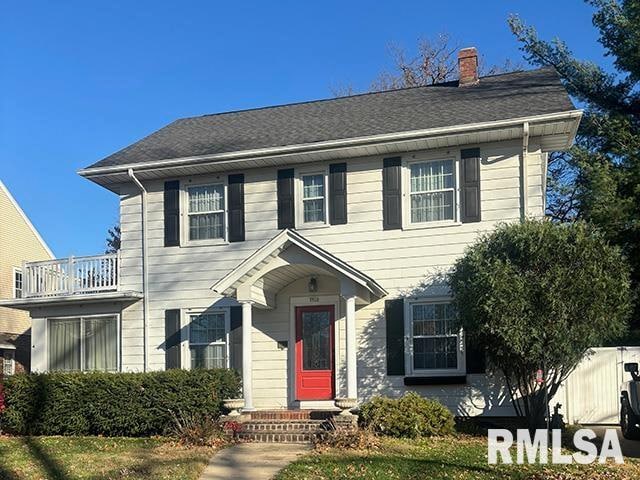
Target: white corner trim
x=26, y=219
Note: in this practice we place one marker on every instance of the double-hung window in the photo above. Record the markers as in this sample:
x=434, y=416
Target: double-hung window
x=206, y=212
x=436, y=342
x=83, y=344
x=17, y=283
x=8, y=362
x=432, y=191
x=208, y=340
x=313, y=198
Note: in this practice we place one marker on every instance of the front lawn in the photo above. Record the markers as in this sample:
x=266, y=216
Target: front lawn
x=71, y=458
x=437, y=458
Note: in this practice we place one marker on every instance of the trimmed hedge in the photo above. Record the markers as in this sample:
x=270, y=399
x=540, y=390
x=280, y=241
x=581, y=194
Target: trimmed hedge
x=112, y=404
x=409, y=416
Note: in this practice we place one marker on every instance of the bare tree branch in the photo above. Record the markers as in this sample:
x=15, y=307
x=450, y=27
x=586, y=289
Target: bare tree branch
x=435, y=60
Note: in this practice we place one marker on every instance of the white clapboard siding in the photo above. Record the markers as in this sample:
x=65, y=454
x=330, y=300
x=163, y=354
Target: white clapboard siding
x=181, y=277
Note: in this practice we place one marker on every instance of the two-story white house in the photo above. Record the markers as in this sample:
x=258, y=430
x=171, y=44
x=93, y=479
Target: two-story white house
x=303, y=244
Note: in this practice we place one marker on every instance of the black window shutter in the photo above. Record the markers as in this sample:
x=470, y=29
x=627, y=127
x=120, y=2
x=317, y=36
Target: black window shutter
x=475, y=358
x=171, y=213
x=394, y=317
x=172, y=338
x=391, y=194
x=470, y=185
x=236, y=208
x=338, y=194
x=286, y=199
x=235, y=338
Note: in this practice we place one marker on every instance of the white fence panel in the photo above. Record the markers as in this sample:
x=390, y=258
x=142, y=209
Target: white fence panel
x=591, y=394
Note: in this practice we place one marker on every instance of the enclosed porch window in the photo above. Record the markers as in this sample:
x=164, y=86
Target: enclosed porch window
x=83, y=344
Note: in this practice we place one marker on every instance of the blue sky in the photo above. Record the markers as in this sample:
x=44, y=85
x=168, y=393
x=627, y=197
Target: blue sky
x=82, y=79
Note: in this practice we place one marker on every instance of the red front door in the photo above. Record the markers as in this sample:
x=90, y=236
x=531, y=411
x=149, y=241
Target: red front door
x=314, y=353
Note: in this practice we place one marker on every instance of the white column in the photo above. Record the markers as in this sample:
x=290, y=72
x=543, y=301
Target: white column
x=352, y=357
x=247, y=362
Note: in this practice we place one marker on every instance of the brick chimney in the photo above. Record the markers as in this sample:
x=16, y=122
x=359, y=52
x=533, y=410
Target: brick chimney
x=468, y=66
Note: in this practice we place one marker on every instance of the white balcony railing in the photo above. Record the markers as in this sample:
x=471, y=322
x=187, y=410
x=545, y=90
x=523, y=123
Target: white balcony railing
x=68, y=276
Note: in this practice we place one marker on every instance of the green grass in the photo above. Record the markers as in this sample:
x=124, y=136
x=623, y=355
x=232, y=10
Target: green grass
x=71, y=458
x=437, y=458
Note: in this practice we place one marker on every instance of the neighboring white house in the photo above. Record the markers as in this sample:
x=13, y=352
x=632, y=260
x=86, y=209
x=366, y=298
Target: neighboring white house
x=302, y=243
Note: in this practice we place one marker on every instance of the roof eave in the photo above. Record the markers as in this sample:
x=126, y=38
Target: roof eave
x=236, y=156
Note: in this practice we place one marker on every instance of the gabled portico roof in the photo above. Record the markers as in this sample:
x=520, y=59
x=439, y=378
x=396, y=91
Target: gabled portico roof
x=254, y=267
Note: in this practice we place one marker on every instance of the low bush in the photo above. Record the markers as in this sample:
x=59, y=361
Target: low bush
x=409, y=416
x=343, y=438
x=112, y=404
x=198, y=430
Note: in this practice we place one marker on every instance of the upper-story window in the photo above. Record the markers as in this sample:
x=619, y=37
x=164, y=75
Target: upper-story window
x=17, y=283
x=432, y=191
x=206, y=212
x=313, y=198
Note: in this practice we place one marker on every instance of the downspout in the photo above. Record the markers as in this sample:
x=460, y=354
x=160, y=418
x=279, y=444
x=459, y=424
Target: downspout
x=145, y=273
x=525, y=182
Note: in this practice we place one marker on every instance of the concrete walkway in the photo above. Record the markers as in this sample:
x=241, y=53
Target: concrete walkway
x=252, y=461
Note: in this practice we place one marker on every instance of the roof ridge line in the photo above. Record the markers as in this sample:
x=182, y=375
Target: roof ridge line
x=363, y=94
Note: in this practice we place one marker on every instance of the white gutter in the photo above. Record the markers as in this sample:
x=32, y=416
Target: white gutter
x=231, y=157
x=525, y=171
x=145, y=273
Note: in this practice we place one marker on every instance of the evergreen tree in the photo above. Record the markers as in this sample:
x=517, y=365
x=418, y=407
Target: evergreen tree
x=113, y=239
x=599, y=179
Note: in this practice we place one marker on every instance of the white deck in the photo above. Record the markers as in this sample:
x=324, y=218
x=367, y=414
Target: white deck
x=71, y=276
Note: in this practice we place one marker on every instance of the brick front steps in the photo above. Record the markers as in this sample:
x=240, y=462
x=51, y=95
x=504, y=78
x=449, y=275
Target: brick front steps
x=284, y=426
x=292, y=414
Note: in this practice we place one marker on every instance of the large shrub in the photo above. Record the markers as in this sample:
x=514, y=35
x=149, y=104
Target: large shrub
x=408, y=416
x=112, y=404
x=536, y=296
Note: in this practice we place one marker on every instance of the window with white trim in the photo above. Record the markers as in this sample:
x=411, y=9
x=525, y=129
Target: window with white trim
x=8, y=362
x=206, y=212
x=313, y=198
x=436, y=343
x=432, y=191
x=83, y=344
x=208, y=340
x=17, y=282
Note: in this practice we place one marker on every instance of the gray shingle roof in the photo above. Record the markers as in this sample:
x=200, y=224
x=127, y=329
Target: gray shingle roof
x=497, y=97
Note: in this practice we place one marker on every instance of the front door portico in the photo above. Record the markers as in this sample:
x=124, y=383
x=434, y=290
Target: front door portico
x=265, y=281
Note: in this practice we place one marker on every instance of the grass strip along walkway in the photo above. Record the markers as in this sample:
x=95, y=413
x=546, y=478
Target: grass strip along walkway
x=81, y=458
